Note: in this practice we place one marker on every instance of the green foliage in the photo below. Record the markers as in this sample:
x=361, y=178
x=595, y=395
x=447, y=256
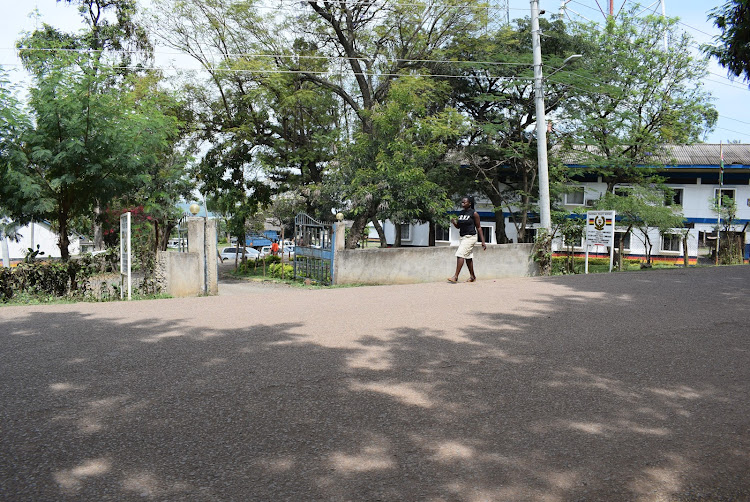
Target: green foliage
x=561, y=265
x=32, y=254
x=281, y=270
x=632, y=96
x=542, y=253
x=79, y=279
x=384, y=174
x=725, y=208
x=571, y=230
x=732, y=47
x=642, y=207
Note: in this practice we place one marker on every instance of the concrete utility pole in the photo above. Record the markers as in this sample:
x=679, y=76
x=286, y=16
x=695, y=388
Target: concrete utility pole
x=541, y=125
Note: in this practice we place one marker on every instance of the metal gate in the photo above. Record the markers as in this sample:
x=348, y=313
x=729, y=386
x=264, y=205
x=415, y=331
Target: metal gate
x=313, y=254
x=182, y=234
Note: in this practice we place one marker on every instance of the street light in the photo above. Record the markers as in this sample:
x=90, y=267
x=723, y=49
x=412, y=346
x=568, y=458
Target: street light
x=541, y=121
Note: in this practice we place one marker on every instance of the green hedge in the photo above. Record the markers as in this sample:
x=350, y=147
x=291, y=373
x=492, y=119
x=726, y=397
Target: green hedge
x=53, y=279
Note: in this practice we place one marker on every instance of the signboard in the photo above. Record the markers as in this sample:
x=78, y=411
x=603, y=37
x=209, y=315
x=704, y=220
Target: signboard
x=600, y=228
x=600, y=231
x=125, y=255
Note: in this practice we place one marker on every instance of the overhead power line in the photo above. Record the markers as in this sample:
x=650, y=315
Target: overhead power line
x=280, y=56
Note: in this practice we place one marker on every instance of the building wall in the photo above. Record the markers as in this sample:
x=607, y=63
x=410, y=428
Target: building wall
x=45, y=238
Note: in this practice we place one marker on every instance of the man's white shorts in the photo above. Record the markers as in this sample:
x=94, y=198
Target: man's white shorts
x=466, y=247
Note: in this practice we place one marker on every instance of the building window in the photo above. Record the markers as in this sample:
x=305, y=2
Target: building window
x=529, y=237
x=442, y=233
x=622, y=191
x=725, y=193
x=674, y=198
x=671, y=242
x=625, y=239
x=405, y=231
x=575, y=198
x=487, y=231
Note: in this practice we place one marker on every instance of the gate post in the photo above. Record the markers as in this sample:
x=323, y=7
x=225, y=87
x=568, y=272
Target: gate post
x=339, y=244
x=202, y=240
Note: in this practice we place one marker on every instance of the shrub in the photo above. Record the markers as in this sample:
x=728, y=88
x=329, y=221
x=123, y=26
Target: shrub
x=281, y=270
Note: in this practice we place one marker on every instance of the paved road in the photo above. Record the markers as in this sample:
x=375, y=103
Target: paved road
x=621, y=387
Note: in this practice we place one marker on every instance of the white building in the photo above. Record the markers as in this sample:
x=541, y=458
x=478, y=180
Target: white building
x=692, y=171
x=41, y=234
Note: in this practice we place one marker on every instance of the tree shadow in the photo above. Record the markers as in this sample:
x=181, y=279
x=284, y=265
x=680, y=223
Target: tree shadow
x=596, y=390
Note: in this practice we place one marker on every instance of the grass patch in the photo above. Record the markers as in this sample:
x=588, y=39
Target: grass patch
x=601, y=265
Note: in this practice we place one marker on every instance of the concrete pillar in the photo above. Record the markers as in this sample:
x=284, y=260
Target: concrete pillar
x=202, y=240
x=339, y=244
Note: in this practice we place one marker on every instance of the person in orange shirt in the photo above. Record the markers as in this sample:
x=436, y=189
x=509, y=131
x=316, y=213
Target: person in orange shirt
x=275, y=248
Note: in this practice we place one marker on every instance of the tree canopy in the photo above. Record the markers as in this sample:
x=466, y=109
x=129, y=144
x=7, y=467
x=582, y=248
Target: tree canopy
x=732, y=47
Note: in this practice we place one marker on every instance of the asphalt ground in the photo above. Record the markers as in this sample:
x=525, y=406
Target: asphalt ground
x=608, y=387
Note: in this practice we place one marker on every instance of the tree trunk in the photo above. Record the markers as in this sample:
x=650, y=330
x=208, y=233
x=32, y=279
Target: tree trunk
x=397, y=236
x=500, y=236
x=168, y=226
x=380, y=231
x=63, y=240
x=431, y=236
x=355, y=234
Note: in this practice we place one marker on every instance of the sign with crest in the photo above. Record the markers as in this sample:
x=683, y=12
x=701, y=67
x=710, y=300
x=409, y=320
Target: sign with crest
x=600, y=231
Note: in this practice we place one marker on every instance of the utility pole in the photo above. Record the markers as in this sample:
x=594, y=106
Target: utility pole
x=541, y=126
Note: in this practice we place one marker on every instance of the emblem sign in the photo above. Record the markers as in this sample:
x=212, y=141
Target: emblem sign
x=600, y=231
x=600, y=228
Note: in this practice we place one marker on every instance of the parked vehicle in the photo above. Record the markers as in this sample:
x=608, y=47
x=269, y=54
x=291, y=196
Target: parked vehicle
x=287, y=251
x=265, y=251
x=229, y=253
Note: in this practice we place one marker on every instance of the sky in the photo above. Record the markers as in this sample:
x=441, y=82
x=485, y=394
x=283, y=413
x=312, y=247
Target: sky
x=731, y=98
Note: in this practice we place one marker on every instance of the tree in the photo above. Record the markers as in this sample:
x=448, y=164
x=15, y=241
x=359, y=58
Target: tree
x=493, y=84
x=265, y=129
x=111, y=37
x=642, y=208
x=632, y=97
x=384, y=174
x=84, y=146
x=370, y=45
x=732, y=47
x=730, y=244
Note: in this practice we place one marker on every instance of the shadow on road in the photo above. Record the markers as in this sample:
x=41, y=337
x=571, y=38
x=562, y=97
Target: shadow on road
x=590, y=388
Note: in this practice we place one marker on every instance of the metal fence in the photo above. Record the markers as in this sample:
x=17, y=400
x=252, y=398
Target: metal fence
x=313, y=254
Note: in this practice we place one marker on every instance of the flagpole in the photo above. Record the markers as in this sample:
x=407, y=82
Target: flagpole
x=720, y=199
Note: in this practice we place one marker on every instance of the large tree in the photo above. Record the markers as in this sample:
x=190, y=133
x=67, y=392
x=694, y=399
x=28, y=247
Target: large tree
x=386, y=174
x=732, y=47
x=493, y=85
x=633, y=96
x=369, y=46
x=265, y=130
x=88, y=140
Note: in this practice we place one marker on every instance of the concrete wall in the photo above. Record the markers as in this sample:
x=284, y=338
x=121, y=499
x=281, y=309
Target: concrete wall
x=182, y=274
x=429, y=264
x=179, y=274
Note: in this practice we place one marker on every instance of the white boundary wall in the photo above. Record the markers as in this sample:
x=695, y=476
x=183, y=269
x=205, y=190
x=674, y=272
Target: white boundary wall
x=429, y=264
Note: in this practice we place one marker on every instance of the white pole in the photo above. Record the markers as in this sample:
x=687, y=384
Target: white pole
x=541, y=125
x=6, y=252
x=719, y=199
x=586, y=266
